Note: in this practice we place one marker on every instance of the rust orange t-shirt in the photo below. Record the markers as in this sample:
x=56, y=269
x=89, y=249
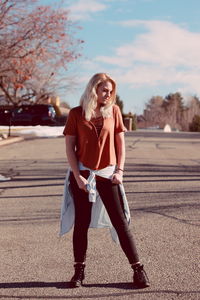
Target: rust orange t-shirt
x=93, y=150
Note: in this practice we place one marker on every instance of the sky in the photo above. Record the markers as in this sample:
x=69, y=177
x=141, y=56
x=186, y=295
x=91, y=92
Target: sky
x=149, y=47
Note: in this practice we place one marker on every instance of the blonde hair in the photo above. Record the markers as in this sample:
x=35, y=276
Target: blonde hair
x=88, y=100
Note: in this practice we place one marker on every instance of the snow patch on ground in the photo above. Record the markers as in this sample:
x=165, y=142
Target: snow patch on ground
x=36, y=131
x=3, y=178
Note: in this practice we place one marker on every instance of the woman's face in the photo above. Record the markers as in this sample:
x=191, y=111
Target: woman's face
x=104, y=92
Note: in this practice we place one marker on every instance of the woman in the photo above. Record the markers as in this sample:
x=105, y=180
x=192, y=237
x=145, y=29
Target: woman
x=95, y=150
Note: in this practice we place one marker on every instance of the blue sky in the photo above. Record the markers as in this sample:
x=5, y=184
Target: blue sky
x=150, y=47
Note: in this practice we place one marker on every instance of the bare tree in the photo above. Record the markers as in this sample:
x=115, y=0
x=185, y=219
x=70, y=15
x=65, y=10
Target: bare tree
x=192, y=109
x=35, y=44
x=171, y=110
x=154, y=112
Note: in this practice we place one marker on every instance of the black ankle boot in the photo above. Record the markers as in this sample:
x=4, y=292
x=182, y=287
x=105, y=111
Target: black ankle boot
x=79, y=275
x=140, y=279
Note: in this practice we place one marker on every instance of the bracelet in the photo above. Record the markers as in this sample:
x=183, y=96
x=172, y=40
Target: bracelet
x=119, y=169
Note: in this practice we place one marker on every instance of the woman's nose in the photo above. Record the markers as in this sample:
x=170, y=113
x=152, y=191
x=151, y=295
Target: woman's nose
x=108, y=94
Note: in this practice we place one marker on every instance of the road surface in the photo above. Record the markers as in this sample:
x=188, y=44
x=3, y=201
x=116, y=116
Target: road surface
x=162, y=181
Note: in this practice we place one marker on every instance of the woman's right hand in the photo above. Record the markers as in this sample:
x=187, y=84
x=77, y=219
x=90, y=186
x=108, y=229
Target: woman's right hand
x=82, y=183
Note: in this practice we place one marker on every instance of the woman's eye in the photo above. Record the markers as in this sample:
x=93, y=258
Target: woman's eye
x=106, y=91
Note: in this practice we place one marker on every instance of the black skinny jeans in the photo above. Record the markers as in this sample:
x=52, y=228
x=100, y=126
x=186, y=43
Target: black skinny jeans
x=113, y=203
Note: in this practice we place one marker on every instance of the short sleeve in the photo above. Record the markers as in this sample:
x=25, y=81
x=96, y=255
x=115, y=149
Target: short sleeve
x=119, y=125
x=71, y=124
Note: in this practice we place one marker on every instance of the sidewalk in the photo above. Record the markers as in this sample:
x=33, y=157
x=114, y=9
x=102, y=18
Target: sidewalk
x=11, y=140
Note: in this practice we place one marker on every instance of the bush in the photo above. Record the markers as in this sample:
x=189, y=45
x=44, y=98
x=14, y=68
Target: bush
x=195, y=125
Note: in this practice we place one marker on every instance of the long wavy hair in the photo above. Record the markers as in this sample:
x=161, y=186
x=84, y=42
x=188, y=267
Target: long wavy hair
x=88, y=100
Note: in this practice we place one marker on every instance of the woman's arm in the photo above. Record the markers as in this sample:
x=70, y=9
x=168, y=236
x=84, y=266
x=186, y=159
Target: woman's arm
x=120, y=153
x=72, y=159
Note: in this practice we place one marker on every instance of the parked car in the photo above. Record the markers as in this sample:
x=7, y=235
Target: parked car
x=36, y=114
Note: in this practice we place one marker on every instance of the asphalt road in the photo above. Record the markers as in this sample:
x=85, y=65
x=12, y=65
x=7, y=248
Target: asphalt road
x=162, y=181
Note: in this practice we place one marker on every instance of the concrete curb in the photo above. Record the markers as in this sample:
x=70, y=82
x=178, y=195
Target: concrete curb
x=11, y=140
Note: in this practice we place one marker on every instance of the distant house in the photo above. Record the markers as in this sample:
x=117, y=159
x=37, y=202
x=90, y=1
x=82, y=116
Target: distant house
x=64, y=111
x=141, y=122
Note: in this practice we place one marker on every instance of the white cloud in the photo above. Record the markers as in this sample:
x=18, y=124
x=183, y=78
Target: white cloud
x=83, y=10
x=165, y=54
x=164, y=43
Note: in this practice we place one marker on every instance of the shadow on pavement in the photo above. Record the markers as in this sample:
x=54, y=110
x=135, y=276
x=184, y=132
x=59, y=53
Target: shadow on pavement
x=65, y=285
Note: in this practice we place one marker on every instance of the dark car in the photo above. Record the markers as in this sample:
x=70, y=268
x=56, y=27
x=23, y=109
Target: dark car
x=36, y=114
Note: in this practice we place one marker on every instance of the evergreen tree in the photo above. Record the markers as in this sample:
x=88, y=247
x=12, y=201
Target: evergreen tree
x=195, y=125
x=120, y=103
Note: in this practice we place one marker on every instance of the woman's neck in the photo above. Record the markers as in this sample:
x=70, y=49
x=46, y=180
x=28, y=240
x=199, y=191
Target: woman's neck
x=97, y=112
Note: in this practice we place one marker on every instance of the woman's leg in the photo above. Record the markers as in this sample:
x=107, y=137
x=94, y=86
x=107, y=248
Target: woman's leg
x=113, y=202
x=82, y=220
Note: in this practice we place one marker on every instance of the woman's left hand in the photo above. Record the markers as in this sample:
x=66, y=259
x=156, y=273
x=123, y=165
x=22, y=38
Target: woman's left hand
x=117, y=178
